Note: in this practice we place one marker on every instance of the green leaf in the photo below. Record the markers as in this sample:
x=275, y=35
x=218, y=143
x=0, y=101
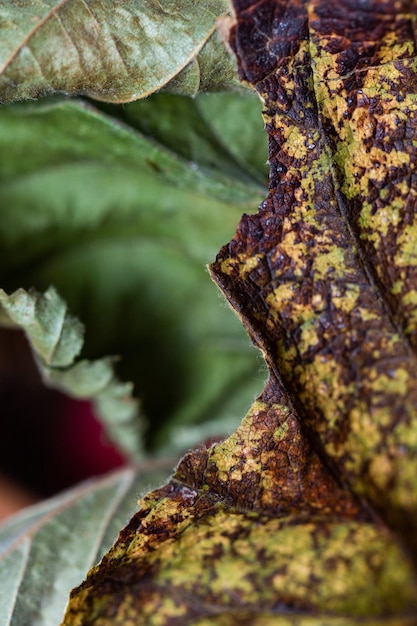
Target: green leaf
x=123, y=223
x=45, y=549
x=212, y=70
x=207, y=130
x=112, y=51
x=56, y=338
x=238, y=123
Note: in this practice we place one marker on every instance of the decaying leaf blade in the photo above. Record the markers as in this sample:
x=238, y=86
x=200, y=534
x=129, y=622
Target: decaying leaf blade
x=253, y=524
x=298, y=271
x=307, y=513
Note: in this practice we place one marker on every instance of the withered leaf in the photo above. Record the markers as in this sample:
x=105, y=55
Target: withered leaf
x=307, y=513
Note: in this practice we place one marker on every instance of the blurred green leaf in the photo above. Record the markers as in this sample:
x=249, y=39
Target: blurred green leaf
x=221, y=132
x=123, y=224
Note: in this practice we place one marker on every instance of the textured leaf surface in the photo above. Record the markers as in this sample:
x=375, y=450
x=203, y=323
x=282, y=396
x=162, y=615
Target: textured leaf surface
x=112, y=51
x=45, y=549
x=307, y=513
x=123, y=223
x=254, y=525
x=334, y=266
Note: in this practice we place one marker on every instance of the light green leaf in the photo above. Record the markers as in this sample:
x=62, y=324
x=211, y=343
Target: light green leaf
x=123, y=224
x=112, y=51
x=45, y=550
x=56, y=338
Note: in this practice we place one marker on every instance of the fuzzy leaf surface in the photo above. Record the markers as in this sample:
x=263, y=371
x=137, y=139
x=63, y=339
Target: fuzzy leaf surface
x=307, y=513
x=111, y=51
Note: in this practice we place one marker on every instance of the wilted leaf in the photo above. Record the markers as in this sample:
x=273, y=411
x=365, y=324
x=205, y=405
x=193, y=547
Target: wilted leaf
x=325, y=273
x=307, y=514
x=123, y=225
x=46, y=549
x=112, y=51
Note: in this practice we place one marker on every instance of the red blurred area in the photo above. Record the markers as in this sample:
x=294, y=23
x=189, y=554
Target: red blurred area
x=48, y=441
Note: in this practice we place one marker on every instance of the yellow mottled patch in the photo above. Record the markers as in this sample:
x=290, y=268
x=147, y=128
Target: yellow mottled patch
x=317, y=302
x=301, y=313
x=325, y=371
x=367, y=315
x=241, y=444
x=228, y=265
x=282, y=295
x=397, y=382
x=141, y=541
x=296, y=144
x=380, y=469
x=127, y=615
x=324, y=69
x=407, y=247
x=281, y=432
x=397, y=287
x=410, y=302
x=330, y=260
x=379, y=82
x=404, y=438
x=391, y=49
x=347, y=300
x=378, y=223
x=169, y=609
x=254, y=563
x=321, y=380
x=295, y=249
x=365, y=433
x=309, y=336
x=296, y=619
x=364, y=168
x=402, y=449
x=305, y=194
x=244, y=264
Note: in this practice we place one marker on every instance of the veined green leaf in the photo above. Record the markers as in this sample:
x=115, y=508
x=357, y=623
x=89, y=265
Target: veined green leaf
x=112, y=51
x=220, y=132
x=45, y=549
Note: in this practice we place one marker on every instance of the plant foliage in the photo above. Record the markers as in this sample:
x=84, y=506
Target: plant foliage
x=305, y=515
